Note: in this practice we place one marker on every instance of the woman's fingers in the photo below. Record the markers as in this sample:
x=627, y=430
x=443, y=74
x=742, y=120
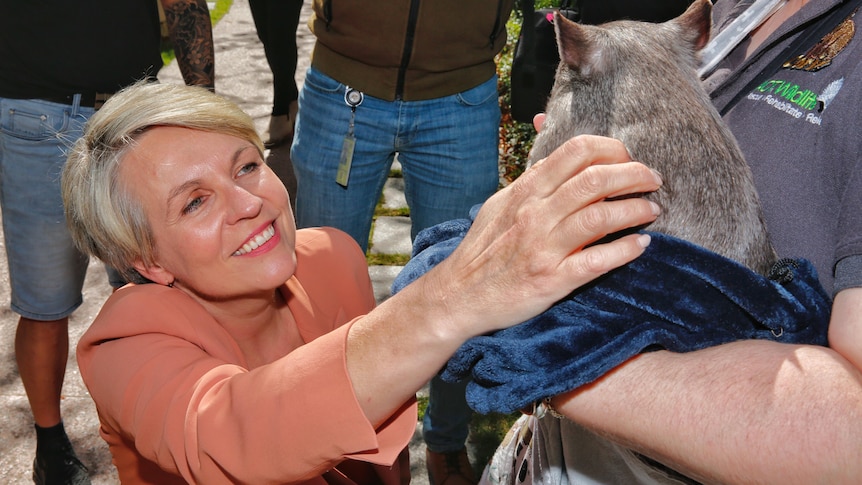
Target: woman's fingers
x=599, y=182
x=588, y=263
x=557, y=201
x=526, y=248
x=569, y=160
x=560, y=205
x=599, y=219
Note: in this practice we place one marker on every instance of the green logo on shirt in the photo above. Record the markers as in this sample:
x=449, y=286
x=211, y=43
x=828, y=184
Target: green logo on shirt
x=793, y=93
x=793, y=100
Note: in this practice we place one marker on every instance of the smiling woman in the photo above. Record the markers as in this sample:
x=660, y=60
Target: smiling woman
x=108, y=223
x=247, y=351
x=211, y=199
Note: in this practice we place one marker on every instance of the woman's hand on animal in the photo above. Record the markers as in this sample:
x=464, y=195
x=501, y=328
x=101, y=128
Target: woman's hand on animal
x=531, y=244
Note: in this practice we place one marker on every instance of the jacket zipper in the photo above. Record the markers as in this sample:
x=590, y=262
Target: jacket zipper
x=408, y=48
x=327, y=13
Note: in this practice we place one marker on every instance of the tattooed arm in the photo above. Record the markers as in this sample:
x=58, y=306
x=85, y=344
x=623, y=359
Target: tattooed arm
x=190, y=31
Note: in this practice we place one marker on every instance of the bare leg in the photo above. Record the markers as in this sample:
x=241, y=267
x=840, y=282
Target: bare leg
x=41, y=350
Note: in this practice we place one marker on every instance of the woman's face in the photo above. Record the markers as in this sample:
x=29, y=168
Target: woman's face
x=221, y=219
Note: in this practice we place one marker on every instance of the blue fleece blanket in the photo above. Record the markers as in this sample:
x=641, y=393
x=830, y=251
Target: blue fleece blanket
x=676, y=296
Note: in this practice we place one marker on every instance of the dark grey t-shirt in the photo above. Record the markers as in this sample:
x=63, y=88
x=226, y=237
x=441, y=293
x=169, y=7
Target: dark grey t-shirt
x=800, y=132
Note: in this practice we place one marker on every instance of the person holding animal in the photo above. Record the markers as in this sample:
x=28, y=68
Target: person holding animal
x=248, y=351
x=750, y=411
x=59, y=61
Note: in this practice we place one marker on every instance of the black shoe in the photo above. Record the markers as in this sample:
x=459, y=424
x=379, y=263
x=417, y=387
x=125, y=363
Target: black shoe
x=60, y=467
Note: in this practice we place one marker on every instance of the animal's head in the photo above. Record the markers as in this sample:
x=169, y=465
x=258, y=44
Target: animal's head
x=609, y=73
x=590, y=51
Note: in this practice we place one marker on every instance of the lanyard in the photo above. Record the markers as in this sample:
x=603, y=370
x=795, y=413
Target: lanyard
x=732, y=35
x=805, y=40
x=352, y=98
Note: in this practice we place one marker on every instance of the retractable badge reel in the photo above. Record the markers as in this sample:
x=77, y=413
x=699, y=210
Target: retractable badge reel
x=352, y=98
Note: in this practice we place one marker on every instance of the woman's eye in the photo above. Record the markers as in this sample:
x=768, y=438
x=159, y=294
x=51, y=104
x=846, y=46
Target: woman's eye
x=248, y=168
x=192, y=205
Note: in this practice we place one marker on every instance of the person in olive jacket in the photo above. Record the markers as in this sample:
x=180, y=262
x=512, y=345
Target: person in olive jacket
x=417, y=80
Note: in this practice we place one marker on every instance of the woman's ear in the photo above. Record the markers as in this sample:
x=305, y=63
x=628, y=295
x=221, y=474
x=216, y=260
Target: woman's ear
x=154, y=273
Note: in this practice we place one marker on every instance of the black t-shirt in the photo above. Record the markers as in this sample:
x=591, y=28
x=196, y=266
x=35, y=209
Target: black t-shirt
x=52, y=48
x=600, y=11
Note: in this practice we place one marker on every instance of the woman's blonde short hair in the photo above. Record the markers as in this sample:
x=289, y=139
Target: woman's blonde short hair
x=104, y=220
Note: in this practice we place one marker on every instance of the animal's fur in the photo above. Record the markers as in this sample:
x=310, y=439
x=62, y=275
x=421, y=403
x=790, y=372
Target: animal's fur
x=637, y=82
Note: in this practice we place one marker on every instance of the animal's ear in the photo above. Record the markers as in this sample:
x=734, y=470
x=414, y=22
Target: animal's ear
x=696, y=23
x=572, y=42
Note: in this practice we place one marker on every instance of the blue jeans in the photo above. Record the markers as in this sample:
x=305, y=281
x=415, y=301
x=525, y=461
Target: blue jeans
x=448, y=152
x=447, y=148
x=46, y=271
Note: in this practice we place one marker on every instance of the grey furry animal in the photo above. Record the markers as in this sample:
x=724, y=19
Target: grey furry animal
x=637, y=82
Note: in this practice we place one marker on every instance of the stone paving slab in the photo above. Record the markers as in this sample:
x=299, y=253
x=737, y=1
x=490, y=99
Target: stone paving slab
x=393, y=193
x=391, y=235
x=381, y=280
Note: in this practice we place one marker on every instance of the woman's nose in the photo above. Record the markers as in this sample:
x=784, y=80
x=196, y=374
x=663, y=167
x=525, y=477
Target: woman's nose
x=244, y=204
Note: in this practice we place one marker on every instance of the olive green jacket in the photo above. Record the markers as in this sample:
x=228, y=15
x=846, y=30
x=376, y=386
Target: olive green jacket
x=409, y=49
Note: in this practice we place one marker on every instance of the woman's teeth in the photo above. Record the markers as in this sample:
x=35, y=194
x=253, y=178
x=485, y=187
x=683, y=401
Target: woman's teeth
x=255, y=243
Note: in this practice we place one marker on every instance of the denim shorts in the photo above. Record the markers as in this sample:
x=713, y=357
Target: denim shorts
x=46, y=271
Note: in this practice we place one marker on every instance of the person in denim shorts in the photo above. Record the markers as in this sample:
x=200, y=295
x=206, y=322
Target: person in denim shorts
x=59, y=61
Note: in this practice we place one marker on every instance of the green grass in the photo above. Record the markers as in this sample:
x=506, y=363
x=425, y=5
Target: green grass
x=221, y=8
x=387, y=259
x=398, y=212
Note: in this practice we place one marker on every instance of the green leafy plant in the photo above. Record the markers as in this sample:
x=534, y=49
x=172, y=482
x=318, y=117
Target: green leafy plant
x=516, y=138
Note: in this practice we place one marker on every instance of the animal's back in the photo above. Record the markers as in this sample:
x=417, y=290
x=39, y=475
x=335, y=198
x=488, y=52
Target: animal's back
x=637, y=82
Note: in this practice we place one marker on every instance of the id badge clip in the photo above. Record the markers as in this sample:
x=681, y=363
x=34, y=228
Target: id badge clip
x=352, y=98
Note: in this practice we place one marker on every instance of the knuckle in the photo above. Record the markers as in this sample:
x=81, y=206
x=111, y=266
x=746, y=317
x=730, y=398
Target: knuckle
x=537, y=266
x=577, y=145
x=593, y=262
x=522, y=219
x=593, y=179
x=594, y=218
x=587, y=186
